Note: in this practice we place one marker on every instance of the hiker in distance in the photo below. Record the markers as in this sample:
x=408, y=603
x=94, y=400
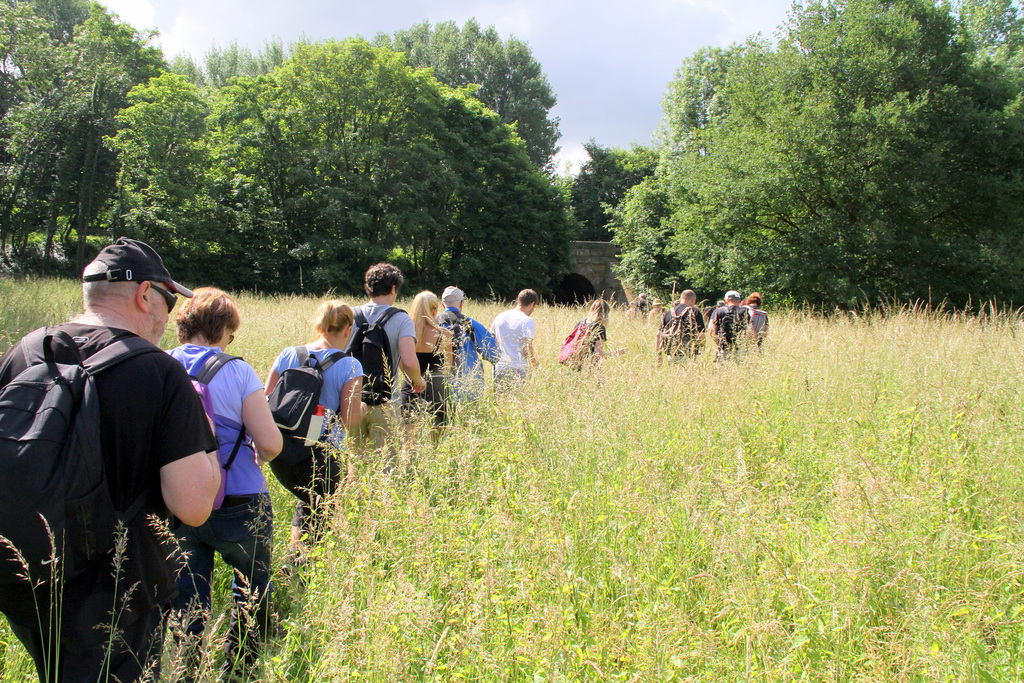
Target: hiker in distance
x=682, y=330
x=639, y=307
x=472, y=344
x=514, y=330
x=433, y=357
x=657, y=310
x=585, y=345
x=101, y=616
x=729, y=327
x=379, y=325
x=758, y=318
x=241, y=527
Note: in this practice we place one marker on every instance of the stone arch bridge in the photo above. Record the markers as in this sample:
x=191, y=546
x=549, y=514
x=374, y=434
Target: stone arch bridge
x=591, y=274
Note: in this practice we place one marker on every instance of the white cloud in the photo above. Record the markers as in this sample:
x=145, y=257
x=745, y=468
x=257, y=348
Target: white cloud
x=138, y=13
x=608, y=61
x=570, y=158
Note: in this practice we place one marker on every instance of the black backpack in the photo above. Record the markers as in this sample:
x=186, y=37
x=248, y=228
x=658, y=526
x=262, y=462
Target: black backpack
x=52, y=471
x=732, y=322
x=461, y=328
x=294, y=400
x=371, y=347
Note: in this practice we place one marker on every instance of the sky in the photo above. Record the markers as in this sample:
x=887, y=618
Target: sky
x=608, y=62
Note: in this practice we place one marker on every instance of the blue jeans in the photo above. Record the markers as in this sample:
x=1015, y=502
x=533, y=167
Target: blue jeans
x=242, y=532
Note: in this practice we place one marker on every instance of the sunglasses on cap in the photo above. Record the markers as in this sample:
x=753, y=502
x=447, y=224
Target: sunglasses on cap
x=169, y=297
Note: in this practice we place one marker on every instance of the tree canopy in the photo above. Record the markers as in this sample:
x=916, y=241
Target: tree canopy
x=602, y=182
x=342, y=157
x=874, y=153
x=508, y=79
x=67, y=71
x=283, y=170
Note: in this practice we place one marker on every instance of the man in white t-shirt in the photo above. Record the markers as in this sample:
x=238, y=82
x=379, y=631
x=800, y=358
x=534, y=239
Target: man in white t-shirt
x=514, y=331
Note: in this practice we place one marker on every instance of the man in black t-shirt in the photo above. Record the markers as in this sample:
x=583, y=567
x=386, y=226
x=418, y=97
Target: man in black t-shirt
x=156, y=443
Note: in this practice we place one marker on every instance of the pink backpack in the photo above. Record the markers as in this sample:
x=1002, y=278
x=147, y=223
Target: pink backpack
x=574, y=345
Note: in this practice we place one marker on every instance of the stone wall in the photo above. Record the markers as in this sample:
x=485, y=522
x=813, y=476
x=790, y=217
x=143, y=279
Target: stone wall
x=596, y=261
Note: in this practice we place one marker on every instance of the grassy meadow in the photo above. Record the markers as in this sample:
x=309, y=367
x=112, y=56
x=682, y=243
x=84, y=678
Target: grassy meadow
x=846, y=506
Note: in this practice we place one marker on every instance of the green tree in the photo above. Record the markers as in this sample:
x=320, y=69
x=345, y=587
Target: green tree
x=994, y=26
x=345, y=156
x=869, y=154
x=65, y=85
x=603, y=181
x=164, y=186
x=221, y=64
x=509, y=79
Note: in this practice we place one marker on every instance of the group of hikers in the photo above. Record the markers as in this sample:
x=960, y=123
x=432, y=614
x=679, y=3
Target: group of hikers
x=734, y=326
x=138, y=467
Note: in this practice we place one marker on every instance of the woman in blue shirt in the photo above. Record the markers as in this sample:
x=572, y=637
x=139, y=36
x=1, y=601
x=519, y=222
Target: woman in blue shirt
x=241, y=530
x=314, y=479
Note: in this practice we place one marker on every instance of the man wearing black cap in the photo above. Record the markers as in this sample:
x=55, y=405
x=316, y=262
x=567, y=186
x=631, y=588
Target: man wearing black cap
x=157, y=448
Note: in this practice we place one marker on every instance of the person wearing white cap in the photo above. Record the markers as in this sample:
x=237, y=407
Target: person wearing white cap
x=729, y=326
x=472, y=345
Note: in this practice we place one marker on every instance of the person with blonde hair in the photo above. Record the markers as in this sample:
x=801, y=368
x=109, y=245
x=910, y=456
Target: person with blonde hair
x=591, y=350
x=316, y=474
x=434, y=354
x=241, y=529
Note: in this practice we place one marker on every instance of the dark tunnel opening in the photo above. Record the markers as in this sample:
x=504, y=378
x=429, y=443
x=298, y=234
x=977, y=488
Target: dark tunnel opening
x=572, y=289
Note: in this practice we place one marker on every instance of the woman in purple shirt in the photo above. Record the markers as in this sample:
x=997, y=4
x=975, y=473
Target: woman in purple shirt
x=241, y=530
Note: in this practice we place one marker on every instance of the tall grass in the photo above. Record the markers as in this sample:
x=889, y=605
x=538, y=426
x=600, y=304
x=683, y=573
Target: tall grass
x=846, y=506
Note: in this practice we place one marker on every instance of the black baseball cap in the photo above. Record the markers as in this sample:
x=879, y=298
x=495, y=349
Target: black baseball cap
x=128, y=260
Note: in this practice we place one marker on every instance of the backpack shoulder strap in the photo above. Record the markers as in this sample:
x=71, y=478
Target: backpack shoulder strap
x=330, y=360
x=37, y=346
x=134, y=508
x=449, y=317
x=117, y=351
x=468, y=327
x=387, y=315
x=234, y=450
x=302, y=353
x=213, y=366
